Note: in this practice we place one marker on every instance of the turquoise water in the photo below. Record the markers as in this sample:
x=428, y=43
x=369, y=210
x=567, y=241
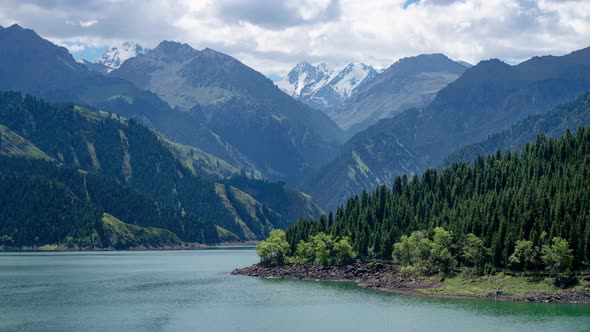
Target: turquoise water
x=192, y=290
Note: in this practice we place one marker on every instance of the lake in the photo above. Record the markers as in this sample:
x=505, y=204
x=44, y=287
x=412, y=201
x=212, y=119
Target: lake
x=192, y=290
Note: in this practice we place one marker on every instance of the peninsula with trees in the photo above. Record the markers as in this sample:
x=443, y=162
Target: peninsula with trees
x=510, y=226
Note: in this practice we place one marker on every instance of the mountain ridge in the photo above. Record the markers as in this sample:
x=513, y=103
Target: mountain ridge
x=487, y=98
x=324, y=88
x=408, y=83
x=240, y=104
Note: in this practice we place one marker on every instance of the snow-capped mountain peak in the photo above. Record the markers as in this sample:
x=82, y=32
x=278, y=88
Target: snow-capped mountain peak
x=118, y=53
x=322, y=87
x=302, y=77
x=349, y=78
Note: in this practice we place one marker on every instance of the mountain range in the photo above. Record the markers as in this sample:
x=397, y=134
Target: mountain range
x=125, y=157
x=487, y=98
x=114, y=57
x=282, y=137
x=324, y=88
x=209, y=150
x=567, y=116
x=408, y=83
x=241, y=116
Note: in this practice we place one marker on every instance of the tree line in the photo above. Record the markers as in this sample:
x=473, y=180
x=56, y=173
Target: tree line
x=539, y=196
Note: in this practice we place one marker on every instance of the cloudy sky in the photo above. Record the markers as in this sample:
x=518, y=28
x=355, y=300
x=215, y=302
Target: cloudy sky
x=273, y=35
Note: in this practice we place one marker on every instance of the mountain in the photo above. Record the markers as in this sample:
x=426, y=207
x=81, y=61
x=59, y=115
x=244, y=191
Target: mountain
x=323, y=88
x=45, y=204
x=129, y=170
x=409, y=82
x=97, y=67
x=537, y=194
x=566, y=116
x=303, y=77
x=486, y=99
x=282, y=137
x=119, y=53
x=31, y=64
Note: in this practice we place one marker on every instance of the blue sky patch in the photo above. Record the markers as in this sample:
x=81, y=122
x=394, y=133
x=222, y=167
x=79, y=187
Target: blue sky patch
x=89, y=53
x=409, y=2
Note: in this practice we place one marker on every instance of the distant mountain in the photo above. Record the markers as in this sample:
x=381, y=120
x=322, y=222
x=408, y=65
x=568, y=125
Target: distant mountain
x=323, y=88
x=410, y=82
x=97, y=67
x=117, y=54
x=487, y=98
x=301, y=79
x=31, y=64
x=282, y=137
x=570, y=115
x=133, y=170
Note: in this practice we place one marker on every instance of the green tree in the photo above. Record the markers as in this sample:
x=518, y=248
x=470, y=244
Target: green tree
x=343, y=251
x=305, y=253
x=413, y=252
x=558, y=257
x=323, y=247
x=524, y=256
x=475, y=253
x=275, y=249
x=441, y=256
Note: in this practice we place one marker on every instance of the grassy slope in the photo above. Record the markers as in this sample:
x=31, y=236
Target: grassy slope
x=13, y=145
x=122, y=235
x=247, y=216
x=201, y=162
x=483, y=286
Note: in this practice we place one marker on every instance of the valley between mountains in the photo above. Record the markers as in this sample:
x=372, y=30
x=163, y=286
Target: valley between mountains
x=177, y=147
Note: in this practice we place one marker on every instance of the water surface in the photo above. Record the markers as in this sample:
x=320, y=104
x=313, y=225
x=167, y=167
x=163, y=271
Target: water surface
x=192, y=290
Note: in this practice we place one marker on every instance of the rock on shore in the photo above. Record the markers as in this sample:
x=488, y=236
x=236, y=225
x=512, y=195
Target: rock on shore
x=370, y=275
x=389, y=278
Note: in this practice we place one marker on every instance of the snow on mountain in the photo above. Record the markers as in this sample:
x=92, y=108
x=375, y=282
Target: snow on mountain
x=349, y=78
x=322, y=87
x=118, y=53
x=303, y=77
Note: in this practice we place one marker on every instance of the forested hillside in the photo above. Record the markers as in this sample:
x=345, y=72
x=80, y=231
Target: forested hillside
x=281, y=136
x=537, y=195
x=553, y=123
x=36, y=210
x=135, y=175
x=487, y=98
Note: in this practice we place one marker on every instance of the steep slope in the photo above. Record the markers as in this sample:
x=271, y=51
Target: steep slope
x=487, y=98
x=127, y=152
x=31, y=64
x=570, y=116
x=537, y=194
x=55, y=215
x=97, y=67
x=303, y=77
x=253, y=221
x=289, y=203
x=13, y=145
x=117, y=54
x=410, y=82
x=133, y=156
x=323, y=88
x=282, y=137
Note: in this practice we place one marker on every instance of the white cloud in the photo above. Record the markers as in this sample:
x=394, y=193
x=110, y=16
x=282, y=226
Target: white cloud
x=87, y=24
x=73, y=47
x=272, y=36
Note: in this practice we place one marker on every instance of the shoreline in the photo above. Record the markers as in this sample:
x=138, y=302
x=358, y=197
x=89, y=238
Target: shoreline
x=387, y=278
x=185, y=246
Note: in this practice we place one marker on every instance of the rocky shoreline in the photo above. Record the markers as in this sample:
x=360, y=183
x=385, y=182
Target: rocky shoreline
x=388, y=278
